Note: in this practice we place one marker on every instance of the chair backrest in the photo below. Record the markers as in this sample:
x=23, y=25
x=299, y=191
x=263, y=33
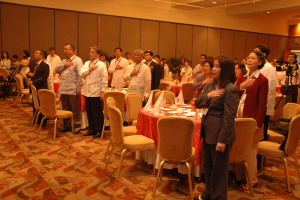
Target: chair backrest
x=245, y=129
x=119, y=98
x=47, y=103
x=116, y=125
x=168, y=79
x=279, y=110
x=35, y=97
x=290, y=110
x=191, y=79
x=153, y=95
x=175, y=138
x=111, y=101
x=164, y=86
x=134, y=103
x=187, y=91
x=19, y=87
x=169, y=96
x=21, y=80
x=4, y=74
x=298, y=98
x=293, y=136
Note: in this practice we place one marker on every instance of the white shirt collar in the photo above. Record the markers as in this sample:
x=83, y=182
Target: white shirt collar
x=255, y=74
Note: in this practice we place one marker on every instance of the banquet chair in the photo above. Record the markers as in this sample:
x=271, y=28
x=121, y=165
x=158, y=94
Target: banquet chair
x=3, y=82
x=21, y=91
x=169, y=96
x=176, y=145
x=132, y=143
x=245, y=129
x=298, y=98
x=37, y=106
x=168, y=79
x=49, y=110
x=127, y=130
x=191, y=80
x=187, y=92
x=279, y=109
x=290, y=110
x=119, y=98
x=271, y=149
x=164, y=86
x=153, y=95
x=134, y=103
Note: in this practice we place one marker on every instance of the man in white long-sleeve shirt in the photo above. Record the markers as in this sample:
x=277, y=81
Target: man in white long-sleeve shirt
x=54, y=60
x=95, y=74
x=70, y=87
x=50, y=77
x=270, y=73
x=139, y=76
x=118, y=67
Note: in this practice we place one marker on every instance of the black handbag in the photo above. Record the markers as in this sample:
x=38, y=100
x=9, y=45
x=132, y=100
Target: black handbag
x=282, y=126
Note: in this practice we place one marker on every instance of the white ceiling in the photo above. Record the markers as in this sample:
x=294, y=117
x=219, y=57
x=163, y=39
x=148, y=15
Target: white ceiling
x=289, y=9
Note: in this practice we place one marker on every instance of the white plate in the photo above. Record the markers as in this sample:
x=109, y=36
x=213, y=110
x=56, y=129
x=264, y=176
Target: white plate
x=186, y=106
x=189, y=114
x=167, y=109
x=172, y=112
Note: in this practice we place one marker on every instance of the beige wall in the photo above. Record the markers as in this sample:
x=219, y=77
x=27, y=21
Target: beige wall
x=26, y=27
x=152, y=10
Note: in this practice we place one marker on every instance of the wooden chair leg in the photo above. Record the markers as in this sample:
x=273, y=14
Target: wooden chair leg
x=286, y=173
x=16, y=102
x=190, y=180
x=34, y=115
x=120, y=166
x=110, y=141
x=21, y=101
x=103, y=128
x=158, y=176
x=41, y=124
x=297, y=166
x=55, y=123
x=72, y=121
x=262, y=162
x=36, y=120
x=154, y=160
x=248, y=178
x=111, y=152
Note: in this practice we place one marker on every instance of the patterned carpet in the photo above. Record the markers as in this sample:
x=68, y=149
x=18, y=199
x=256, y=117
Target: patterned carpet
x=71, y=168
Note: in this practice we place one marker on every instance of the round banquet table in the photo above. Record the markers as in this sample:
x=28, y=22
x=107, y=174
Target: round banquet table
x=176, y=90
x=147, y=126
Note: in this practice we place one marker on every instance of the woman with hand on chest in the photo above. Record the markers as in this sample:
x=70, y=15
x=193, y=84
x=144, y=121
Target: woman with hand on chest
x=253, y=94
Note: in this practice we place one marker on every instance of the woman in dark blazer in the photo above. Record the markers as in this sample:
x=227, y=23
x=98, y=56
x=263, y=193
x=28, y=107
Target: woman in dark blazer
x=253, y=94
x=219, y=101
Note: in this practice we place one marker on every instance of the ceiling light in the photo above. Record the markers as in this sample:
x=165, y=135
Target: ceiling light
x=214, y=2
x=268, y=12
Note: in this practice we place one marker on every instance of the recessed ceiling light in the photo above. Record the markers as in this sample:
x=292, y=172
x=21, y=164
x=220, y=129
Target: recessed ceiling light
x=268, y=12
x=214, y=2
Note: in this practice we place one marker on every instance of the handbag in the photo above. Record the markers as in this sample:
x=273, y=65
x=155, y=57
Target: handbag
x=282, y=126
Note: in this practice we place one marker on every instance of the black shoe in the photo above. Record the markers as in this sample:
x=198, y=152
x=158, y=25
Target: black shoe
x=89, y=134
x=97, y=136
x=64, y=130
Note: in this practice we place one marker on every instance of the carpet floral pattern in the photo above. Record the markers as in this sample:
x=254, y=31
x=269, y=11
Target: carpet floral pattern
x=36, y=167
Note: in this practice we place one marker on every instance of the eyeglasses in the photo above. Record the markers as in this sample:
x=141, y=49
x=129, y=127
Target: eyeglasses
x=251, y=58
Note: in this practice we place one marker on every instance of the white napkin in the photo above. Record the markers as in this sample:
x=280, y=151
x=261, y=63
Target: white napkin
x=155, y=110
x=149, y=103
x=181, y=100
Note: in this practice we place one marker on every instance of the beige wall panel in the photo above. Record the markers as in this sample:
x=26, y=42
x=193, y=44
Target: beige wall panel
x=251, y=42
x=282, y=45
x=66, y=30
x=149, y=36
x=273, y=45
x=167, y=40
x=239, y=45
x=15, y=29
x=130, y=37
x=109, y=34
x=88, y=27
x=227, y=43
x=213, y=42
x=199, y=43
x=184, y=41
x=41, y=29
x=262, y=39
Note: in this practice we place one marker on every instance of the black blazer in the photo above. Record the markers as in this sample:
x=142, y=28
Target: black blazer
x=41, y=75
x=156, y=75
x=218, y=123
